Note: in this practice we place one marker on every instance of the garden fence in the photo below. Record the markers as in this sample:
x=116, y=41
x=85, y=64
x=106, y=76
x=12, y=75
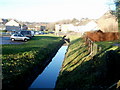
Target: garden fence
x=93, y=48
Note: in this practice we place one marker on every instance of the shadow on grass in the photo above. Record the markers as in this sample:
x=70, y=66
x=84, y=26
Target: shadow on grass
x=92, y=74
x=73, y=51
x=76, y=57
x=77, y=79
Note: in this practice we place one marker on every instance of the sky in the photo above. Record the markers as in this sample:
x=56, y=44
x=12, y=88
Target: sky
x=52, y=10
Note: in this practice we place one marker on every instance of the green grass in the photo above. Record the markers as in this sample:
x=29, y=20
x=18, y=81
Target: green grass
x=20, y=59
x=81, y=71
x=34, y=44
x=106, y=44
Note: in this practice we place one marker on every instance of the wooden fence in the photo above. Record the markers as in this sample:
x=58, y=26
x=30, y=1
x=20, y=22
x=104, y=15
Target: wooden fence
x=93, y=48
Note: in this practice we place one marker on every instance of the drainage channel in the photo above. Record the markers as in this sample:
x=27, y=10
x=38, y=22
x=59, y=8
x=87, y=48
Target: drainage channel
x=48, y=77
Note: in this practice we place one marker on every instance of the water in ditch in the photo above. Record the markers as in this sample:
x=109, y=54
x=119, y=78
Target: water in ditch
x=48, y=77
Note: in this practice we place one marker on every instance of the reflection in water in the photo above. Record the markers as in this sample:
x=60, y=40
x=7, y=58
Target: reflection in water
x=48, y=77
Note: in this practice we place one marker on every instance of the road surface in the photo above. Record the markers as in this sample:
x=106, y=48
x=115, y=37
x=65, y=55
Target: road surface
x=6, y=40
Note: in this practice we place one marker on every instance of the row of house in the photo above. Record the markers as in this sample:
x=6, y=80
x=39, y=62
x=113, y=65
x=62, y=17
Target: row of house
x=13, y=26
x=2, y=26
x=106, y=23
x=36, y=27
x=92, y=25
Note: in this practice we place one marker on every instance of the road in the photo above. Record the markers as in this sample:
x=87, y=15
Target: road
x=6, y=40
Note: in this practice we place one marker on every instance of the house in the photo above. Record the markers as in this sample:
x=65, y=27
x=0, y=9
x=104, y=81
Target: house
x=64, y=27
x=91, y=26
x=2, y=26
x=36, y=27
x=57, y=27
x=12, y=26
x=67, y=27
x=1, y=21
x=42, y=28
x=31, y=27
x=108, y=22
x=24, y=27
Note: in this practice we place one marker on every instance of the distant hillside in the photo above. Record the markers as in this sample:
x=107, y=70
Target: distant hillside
x=75, y=21
x=84, y=21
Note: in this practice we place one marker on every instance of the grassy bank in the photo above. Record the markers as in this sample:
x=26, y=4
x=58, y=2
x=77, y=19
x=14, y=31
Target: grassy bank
x=21, y=61
x=82, y=71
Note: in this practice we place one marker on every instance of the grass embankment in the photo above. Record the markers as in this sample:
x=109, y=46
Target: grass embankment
x=81, y=71
x=22, y=61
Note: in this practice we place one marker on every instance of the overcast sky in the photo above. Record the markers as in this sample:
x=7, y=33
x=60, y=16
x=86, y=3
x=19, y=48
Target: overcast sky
x=52, y=10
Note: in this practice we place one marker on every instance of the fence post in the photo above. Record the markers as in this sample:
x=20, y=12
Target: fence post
x=93, y=47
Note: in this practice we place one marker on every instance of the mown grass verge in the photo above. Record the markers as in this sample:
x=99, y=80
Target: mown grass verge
x=80, y=71
x=22, y=63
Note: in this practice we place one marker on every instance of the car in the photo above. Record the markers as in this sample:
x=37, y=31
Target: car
x=37, y=33
x=27, y=33
x=19, y=37
x=43, y=33
x=51, y=32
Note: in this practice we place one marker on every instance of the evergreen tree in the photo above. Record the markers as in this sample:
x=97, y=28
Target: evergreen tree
x=117, y=3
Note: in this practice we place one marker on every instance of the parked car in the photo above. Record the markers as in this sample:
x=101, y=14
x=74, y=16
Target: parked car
x=43, y=33
x=27, y=33
x=37, y=33
x=51, y=32
x=19, y=37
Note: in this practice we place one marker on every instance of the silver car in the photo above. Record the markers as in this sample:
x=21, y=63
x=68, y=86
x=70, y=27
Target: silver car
x=19, y=37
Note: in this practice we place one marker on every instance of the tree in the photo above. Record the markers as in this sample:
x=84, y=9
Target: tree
x=117, y=3
x=75, y=20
